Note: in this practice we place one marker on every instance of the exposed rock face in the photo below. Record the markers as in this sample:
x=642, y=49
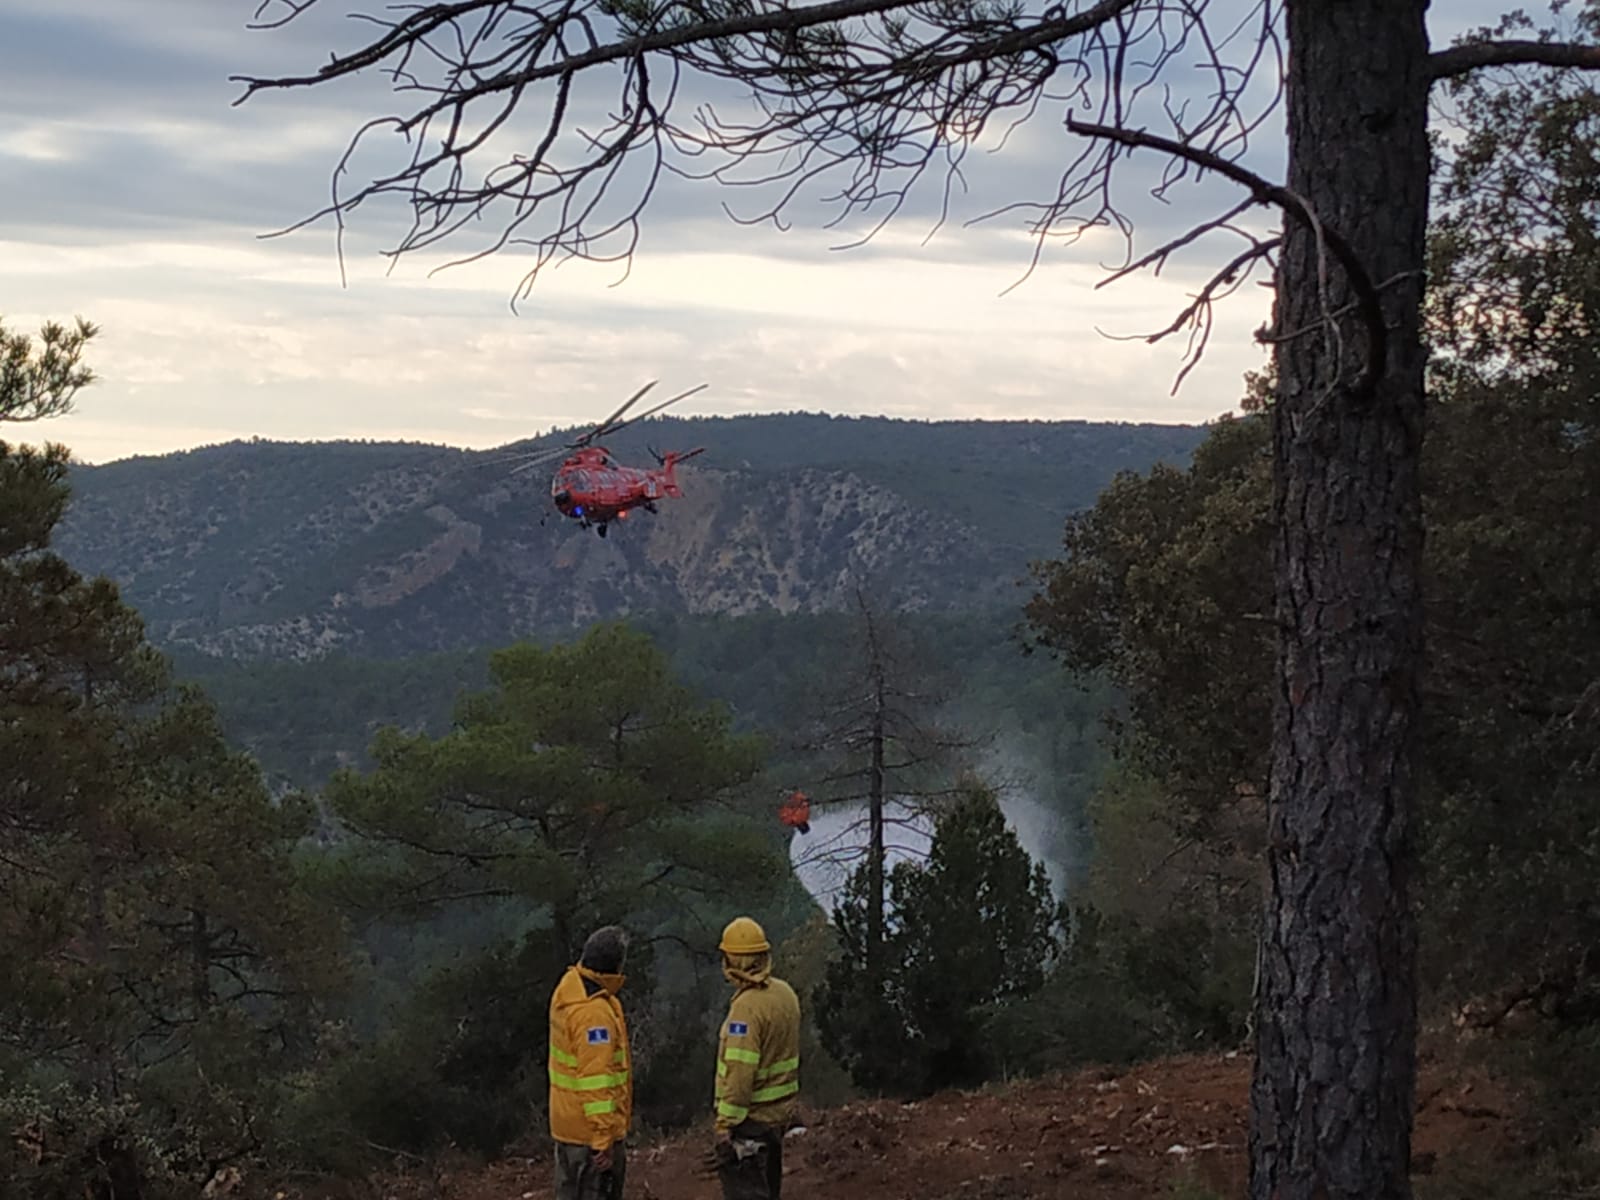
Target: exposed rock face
x=296, y=550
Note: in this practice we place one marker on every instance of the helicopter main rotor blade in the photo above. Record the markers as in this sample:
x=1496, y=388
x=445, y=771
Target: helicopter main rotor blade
x=528, y=466
x=602, y=429
x=583, y=439
x=527, y=460
x=650, y=412
x=540, y=459
x=523, y=456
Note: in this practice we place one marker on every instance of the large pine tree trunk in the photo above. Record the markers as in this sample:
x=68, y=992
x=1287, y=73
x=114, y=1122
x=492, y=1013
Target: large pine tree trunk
x=1336, y=1028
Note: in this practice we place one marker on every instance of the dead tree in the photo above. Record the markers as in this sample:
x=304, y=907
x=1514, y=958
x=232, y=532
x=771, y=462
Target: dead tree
x=877, y=96
x=876, y=731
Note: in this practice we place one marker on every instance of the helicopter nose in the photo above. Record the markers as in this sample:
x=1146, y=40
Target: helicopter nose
x=563, y=498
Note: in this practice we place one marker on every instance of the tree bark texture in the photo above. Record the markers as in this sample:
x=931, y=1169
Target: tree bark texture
x=1332, y=1097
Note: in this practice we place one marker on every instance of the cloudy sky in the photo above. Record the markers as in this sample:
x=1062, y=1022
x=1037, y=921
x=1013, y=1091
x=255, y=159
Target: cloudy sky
x=134, y=193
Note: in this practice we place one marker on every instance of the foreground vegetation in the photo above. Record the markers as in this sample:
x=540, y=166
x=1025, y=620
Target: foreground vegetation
x=347, y=958
x=1165, y=590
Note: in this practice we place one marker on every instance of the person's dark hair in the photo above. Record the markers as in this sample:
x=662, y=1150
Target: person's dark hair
x=606, y=949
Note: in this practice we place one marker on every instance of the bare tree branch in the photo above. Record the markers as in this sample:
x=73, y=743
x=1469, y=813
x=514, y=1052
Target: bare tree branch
x=1197, y=315
x=405, y=34
x=864, y=100
x=1368, y=305
x=1459, y=60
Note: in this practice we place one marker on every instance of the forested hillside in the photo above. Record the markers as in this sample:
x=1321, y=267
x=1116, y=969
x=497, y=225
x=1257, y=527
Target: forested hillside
x=303, y=720
x=289, y=550
x=321, y=764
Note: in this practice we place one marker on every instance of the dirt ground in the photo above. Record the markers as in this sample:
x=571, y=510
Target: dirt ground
x=1162, y=1129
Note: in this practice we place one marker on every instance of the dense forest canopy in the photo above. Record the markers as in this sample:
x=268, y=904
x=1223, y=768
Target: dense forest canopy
x=1181, y=622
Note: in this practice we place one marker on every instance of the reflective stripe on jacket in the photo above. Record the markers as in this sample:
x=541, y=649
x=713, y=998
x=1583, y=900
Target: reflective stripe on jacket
x=758, y=1056
x=591, y=1092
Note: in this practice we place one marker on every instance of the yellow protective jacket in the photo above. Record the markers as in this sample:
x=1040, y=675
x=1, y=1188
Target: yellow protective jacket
x=758, y=1051
x=591, y=1092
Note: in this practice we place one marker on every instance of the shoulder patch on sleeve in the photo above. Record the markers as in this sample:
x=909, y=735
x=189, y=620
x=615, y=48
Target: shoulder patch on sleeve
x=738, y=1028
x=598, y=1035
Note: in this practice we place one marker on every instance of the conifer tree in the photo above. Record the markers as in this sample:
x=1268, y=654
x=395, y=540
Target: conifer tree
x=586, y=786
x=585, y=779
x=969, y=931
x=158, y=956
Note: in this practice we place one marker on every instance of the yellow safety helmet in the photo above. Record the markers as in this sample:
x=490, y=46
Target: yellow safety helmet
x=743, y=936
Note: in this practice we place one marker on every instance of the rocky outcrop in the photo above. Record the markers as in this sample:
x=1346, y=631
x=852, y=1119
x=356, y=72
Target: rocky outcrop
x=297, y=550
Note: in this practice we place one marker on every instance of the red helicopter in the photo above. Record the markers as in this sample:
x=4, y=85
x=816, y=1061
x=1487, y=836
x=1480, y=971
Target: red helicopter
x=592, y=488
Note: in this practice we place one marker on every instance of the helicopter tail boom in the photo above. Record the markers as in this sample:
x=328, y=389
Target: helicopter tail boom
x=669, y=469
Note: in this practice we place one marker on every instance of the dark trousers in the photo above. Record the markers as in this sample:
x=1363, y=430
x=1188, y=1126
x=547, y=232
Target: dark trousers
x=576, y=1178
x=760, y=1176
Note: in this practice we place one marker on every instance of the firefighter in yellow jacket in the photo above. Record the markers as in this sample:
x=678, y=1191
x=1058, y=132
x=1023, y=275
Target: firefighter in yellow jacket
x=758, y=1068
x=591, y=1092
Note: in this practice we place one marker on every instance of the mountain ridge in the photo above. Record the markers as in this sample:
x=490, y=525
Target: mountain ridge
x=293, y=549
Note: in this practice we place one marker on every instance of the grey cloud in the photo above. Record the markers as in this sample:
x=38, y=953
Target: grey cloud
x=163, y=64
x=57, y=66
x=120, y=184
